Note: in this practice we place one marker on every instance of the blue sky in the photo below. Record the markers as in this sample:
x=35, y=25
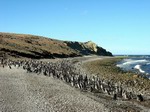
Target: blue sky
x=120, y=26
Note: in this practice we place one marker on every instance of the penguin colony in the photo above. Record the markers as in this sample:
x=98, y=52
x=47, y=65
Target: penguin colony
x=66, y=71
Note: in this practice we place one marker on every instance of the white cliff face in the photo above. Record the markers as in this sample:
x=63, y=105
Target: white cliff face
x=91, y=45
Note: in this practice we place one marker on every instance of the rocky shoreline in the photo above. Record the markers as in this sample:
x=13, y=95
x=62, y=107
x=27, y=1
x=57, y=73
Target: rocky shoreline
x=131, y=82
x=71, y=72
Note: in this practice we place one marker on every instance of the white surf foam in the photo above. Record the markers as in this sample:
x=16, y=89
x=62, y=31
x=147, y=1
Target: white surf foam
x=138, y=67
x=148, y=63
x=134, y=62
x=130, y=61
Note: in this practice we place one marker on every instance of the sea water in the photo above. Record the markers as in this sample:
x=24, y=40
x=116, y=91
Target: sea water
x=140, y=64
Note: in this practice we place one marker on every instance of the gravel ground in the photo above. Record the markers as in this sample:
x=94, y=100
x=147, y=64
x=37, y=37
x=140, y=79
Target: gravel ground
x=28, y=92
x=23, y=92
x=119, y=105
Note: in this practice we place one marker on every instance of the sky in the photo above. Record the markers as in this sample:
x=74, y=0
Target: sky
x=119, y=26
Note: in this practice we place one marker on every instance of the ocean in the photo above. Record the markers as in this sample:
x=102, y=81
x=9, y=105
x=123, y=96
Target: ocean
x=139, y=64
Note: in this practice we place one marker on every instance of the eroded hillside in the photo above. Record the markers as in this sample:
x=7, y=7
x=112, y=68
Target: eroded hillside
x=30, y=46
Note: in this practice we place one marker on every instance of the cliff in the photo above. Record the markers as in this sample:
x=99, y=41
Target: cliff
x=31, y=46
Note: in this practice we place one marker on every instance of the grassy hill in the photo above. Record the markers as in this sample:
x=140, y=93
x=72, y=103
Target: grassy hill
x=31, y=46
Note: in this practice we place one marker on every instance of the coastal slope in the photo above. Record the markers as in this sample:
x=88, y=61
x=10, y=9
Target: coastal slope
x=31, y=46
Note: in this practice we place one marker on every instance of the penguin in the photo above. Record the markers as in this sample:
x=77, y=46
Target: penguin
x=115, y=96
x=140, y=98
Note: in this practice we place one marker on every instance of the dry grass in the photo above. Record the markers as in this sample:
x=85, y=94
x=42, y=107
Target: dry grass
x=29, y=43
x=42, y=47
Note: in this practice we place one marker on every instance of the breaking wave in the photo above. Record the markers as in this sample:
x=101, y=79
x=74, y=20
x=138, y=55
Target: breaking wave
x=138, y=67
x=131, y=61
x=141, y=65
